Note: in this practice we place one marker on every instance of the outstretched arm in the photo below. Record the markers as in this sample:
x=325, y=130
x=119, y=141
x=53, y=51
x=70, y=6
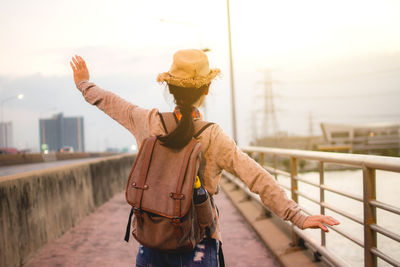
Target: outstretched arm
x=125, y=113
x=230, y=158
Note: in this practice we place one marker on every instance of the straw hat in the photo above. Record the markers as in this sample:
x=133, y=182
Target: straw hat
x=189, y=69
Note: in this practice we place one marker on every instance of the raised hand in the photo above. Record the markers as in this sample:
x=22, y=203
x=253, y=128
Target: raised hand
x=318, y=221
x=79, y=68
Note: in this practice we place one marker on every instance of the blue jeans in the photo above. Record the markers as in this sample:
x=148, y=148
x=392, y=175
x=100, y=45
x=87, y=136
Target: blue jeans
x=205, y=254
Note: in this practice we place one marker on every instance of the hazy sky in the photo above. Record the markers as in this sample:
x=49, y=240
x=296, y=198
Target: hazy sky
x=339, y=60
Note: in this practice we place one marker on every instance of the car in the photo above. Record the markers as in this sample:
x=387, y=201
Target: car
x=8, y=150
x=67, y=149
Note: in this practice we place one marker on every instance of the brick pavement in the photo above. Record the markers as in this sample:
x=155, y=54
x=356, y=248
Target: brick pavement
x=98, y=240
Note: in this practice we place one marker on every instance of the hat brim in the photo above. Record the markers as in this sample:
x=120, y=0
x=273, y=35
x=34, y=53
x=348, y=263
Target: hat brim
x=193, y=82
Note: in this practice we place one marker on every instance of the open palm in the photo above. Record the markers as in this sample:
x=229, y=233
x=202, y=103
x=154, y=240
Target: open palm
x=79, y=68
x=319, y=221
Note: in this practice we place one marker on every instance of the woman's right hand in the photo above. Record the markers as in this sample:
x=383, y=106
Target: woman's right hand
x=79, y=68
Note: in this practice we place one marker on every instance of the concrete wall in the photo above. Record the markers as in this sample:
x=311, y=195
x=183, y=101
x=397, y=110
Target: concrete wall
x=6, y=160
x=39, y=206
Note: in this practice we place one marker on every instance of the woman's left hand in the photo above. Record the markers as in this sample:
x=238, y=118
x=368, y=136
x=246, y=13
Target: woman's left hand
x=79, y=68
x=318, y=221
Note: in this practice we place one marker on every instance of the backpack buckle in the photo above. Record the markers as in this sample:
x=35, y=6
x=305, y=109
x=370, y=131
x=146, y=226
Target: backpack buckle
x=145, y=187
x=176, y=221
x=138, y=213
x=176, y=196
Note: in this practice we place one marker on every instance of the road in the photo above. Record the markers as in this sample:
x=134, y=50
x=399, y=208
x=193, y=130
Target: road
x=21, y=168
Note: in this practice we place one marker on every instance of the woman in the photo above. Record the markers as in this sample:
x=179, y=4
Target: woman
x=189, y=80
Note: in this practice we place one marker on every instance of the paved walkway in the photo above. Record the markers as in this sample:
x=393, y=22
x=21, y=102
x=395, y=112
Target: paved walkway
x=98, y=240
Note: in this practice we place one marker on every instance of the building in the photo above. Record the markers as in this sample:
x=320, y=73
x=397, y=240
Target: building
x=291, y=142
x=60, y=131
x=373, y=138
x=6, y=139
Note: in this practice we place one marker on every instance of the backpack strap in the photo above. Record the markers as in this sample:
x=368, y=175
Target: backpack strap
x=128, y=226
x=163, y=122
x=221, y=256
x=148, y=147
x=202, y=129
x=177, y=194
x=170, y=121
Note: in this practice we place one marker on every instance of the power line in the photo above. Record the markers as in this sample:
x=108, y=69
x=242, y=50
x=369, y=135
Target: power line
x=339, y=97
x=265, y=107
x=269, y=120
x=324, y=114
x=343, y=78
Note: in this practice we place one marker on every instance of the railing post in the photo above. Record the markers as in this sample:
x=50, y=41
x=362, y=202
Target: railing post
x=369, y=193
x=275, y=167
x=293, y=188
x=262, y=159
x=293, y=181
x=322, y=198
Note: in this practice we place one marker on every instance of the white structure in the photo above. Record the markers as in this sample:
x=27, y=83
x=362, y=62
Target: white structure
x=364, y=138
x=6, y=134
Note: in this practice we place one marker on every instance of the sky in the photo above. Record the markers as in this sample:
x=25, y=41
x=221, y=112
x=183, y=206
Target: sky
x=325, y=61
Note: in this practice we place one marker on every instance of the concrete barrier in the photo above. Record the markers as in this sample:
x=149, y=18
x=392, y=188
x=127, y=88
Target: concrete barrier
x=6, y=160
x=39, y=206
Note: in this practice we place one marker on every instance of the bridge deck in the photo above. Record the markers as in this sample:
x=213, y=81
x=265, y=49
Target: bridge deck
x=98, y=240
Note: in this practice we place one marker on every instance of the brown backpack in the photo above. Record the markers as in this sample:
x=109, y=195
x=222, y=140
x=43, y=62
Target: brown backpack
x=160, y=190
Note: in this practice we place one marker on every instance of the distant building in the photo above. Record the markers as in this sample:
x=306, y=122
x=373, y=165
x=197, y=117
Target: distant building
x=60, y=131
x=373, y=138
x=6, y=139
x=290, y=142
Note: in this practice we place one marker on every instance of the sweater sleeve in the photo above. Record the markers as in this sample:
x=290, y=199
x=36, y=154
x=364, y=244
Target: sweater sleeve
x=135, y=119
x=258, y=180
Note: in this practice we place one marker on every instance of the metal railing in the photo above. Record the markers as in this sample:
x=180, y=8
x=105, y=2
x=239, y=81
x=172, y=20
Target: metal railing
x=368, y=163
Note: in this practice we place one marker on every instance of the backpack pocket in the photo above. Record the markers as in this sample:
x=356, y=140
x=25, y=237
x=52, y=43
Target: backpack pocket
x=205, y=215
x=160, y=233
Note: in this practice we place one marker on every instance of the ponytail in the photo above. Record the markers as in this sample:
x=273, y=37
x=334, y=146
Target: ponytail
x=184, y=98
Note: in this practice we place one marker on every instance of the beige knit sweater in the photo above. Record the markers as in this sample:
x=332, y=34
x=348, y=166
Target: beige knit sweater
x=220, y=151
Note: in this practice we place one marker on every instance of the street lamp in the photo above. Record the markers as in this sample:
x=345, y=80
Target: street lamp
x=3, y=127
x=19, y=96
x=234, y=132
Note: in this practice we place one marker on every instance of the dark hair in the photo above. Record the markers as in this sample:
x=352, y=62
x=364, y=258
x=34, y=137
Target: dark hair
x=184, y=99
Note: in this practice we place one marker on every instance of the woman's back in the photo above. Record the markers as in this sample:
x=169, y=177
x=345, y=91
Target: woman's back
x=188, y=81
